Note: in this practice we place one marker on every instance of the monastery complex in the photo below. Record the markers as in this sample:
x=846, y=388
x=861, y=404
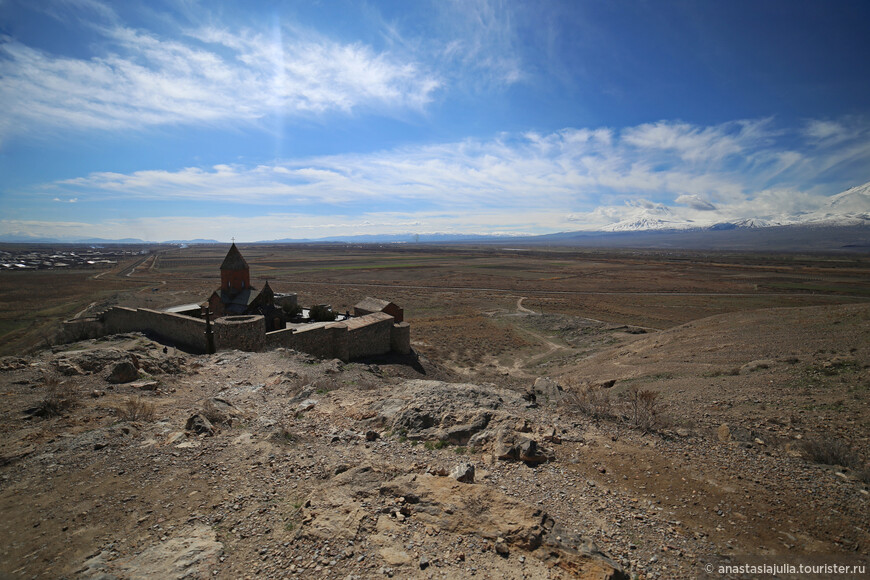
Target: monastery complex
x=238, y=316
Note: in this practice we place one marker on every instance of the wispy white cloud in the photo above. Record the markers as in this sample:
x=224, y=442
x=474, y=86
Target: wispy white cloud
x=693, y=143
x=587, y=178
x=139, y=79
x=273, y=226
x=695, y=202
x=482, y=40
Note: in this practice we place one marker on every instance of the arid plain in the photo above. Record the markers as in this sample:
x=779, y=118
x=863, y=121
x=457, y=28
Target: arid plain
x=691, y=409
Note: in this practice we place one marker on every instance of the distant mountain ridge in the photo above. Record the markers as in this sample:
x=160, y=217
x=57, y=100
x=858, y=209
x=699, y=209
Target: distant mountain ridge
x=842, y=222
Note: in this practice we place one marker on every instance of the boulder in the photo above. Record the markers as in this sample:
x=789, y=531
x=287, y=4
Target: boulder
x=460, y=434
x=67, y=368
x=306, y=405
x=219, y=411
x=547, y=390
x=511, y=448
x=123, y=372
x=530, y=453
x=199, y=425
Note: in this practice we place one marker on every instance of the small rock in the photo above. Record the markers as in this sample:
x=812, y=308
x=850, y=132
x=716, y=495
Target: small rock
x=199, y=425
x=67, y=368
x=145, y=385
x=464, y=472
x=306, y=405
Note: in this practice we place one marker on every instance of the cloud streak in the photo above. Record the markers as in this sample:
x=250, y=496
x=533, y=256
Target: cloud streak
x=591, y=178
x=139, y=79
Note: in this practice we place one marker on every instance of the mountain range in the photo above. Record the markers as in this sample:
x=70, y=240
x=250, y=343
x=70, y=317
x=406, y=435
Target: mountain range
x=843, y=222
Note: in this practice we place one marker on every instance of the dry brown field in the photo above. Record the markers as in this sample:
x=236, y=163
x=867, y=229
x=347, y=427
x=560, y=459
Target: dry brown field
x=449, y=293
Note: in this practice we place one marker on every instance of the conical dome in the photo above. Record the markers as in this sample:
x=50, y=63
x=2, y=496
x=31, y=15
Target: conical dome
x=234, y=260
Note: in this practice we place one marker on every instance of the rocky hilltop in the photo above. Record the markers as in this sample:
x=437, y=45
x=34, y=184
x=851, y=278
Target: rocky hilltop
x=120, y=458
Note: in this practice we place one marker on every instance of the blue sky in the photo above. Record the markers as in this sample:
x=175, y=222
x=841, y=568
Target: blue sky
x=180, y=119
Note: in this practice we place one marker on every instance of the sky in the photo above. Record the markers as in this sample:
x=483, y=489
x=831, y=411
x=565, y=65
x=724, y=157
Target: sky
x=179, y=119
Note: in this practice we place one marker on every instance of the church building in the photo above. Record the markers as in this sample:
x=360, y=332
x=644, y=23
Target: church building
x=237, y=297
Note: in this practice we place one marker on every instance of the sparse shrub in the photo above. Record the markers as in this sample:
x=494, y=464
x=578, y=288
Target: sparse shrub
x=592, y=400
x=722, y=373
x=829, y=451
x=640, y=407
x=136, y=409
x=643, y=409
x=58, y=399
x=291, y=310
x=321, y=313
x=431, y=445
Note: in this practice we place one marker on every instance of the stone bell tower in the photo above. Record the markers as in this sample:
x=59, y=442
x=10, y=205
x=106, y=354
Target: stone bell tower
x=235, y=273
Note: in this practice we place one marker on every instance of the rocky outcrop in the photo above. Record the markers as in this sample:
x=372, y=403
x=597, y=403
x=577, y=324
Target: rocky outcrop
x=123, y=372
x=359, y=502
x=187, y=555
x=479, y=416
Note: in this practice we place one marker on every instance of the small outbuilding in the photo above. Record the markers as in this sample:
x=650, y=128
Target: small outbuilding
x=371, y=305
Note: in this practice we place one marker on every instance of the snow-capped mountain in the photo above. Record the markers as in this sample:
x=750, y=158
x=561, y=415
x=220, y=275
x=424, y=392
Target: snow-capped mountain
x=850, y=208
x=646, y=223
x=752, y=223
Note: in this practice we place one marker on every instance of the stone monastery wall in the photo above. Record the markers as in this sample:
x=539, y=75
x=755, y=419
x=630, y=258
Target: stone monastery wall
x=327, y=341
x=367, y=335
x=370, y=334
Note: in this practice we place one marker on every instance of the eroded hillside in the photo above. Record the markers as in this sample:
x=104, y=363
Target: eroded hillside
x=123, y=459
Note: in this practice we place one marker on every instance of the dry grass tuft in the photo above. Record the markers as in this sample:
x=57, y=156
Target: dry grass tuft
x=136, y=409
x=59, y=398
x=830, y=451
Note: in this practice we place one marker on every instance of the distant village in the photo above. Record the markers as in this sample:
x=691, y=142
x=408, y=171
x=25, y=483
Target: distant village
x=48, y=258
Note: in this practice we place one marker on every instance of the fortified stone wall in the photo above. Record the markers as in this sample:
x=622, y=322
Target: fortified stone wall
x=184, y=331
x=80, y=329
x=328, y=341
x=400, y=338
x=367, y=335
x=241, y=332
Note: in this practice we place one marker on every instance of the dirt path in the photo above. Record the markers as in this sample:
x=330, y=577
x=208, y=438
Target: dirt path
x=88, y=307
x=523, y=309
x=551, y=346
